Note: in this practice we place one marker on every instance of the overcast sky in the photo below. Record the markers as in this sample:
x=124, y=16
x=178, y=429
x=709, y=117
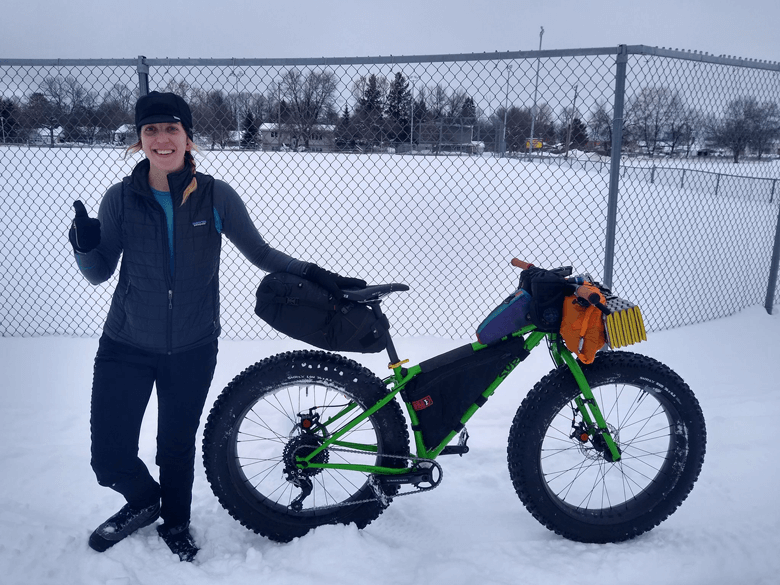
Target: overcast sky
x=359, y=28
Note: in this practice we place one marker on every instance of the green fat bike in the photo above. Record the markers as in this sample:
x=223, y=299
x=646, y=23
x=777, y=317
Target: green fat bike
x=598, y=452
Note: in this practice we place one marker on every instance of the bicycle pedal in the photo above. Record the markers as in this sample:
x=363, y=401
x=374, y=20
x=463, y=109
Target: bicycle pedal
x=455, y=450
x=461, y=448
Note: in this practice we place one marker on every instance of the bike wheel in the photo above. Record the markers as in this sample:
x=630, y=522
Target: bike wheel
x=569, y=483
x=255, y=429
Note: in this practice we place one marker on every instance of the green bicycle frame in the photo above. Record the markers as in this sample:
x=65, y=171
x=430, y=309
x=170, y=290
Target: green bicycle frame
x=586, y=404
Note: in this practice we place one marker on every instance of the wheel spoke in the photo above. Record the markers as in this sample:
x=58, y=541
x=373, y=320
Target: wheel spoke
x=276, y=414
x=581, y=475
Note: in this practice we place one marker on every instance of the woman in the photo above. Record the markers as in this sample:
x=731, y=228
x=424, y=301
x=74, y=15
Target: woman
x=166, y=221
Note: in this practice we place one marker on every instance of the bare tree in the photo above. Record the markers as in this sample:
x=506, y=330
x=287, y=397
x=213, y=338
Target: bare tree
x=733, y=130
x=650, y=113
x=41, y=113
x=456, y=100
x=684, y=129
x=437, y=102
x=72, y=105
x=182, y=88
x=600, y=123
x=212, y=116
x=311, y=96
x=116, y=108
x=766, y=127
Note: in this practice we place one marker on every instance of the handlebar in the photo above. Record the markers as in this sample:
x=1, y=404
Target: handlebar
x=585, y=297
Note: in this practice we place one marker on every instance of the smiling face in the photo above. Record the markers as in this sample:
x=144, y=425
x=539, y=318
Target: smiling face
x=165, y=144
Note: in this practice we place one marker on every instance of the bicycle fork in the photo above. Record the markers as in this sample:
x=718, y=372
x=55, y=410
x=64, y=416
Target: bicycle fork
x=594, y=427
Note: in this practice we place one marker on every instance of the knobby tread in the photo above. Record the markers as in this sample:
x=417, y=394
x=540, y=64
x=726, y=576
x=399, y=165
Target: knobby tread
x=249, y=386
x=557, y=388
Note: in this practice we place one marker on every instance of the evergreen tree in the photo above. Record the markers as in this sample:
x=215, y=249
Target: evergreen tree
x=369, y=112
x=398, y=109
x=579, y=134
x=468, y=112
x=250, y=133
x=371, y=100
x=344, y=138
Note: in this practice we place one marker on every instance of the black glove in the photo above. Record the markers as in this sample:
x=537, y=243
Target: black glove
x=84, y=232
x=331, y=282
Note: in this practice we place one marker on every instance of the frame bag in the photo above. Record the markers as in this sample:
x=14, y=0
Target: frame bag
x=303, y=310
x=450, y=383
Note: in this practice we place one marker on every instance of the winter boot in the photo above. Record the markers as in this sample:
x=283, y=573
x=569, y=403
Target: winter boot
x=179, y=540
x=121, y=525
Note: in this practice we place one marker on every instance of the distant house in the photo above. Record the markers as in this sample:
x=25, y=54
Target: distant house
x=236, y=139
x=273, y=138
x=125, y=134
x=47, y=136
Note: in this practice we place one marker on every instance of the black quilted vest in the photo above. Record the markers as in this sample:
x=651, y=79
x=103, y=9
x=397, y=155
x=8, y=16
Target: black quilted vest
x=153, y=309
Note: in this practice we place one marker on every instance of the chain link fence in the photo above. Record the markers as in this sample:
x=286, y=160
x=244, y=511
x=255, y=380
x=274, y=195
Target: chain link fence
x=654, y=170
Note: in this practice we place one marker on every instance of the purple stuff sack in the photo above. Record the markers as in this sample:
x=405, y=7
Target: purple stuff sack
x=506, y=318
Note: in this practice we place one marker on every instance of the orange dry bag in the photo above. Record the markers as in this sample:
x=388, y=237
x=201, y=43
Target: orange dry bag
x=582, y=326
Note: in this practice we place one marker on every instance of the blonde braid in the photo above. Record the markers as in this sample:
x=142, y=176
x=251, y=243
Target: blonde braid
x=188, y=158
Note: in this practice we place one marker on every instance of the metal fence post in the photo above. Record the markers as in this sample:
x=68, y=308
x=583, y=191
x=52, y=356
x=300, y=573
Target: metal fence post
x=770, y=287
x=614, y=171
x=143, y=76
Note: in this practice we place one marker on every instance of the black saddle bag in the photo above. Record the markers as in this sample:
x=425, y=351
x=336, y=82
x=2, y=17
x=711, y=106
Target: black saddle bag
x=305, y=311
x=450, y=383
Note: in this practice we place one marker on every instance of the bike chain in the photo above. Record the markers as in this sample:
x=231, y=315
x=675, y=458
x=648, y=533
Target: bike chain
x=385, y=499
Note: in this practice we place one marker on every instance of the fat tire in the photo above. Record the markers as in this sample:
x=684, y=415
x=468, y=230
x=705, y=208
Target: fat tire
x=255, y=510
x=679, y=463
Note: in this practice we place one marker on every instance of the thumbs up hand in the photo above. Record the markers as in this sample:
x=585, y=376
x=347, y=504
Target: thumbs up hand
x=84, y=234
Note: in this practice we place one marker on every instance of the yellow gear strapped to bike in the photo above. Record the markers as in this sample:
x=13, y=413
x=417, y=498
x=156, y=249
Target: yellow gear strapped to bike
x=624, y=324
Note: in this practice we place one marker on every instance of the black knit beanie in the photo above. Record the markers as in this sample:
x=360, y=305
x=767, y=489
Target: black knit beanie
x=162, y=107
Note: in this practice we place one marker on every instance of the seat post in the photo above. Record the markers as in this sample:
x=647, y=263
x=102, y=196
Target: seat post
x=391, y=353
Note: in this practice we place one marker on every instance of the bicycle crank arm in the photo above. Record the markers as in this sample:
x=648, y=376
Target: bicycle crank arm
x=426, y=472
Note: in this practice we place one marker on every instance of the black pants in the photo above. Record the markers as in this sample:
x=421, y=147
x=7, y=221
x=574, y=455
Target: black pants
x=121, y=387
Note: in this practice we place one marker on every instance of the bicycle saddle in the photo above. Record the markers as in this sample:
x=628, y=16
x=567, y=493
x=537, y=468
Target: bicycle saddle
x=373, y=292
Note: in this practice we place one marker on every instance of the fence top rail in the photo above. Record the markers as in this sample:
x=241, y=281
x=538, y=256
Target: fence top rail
x=67, y=62
x=275, y=62
x=393, y=59
x=704, y=57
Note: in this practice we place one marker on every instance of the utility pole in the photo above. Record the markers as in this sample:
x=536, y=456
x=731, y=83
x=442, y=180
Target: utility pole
x=412, y=78
x=571, y=120
x=506, y=107
x=536, y=88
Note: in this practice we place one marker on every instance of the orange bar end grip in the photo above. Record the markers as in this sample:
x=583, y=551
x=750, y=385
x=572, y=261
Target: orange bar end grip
x=521, y=264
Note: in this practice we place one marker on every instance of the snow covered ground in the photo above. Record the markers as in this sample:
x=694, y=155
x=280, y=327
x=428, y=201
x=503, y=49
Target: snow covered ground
x=472, y=529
